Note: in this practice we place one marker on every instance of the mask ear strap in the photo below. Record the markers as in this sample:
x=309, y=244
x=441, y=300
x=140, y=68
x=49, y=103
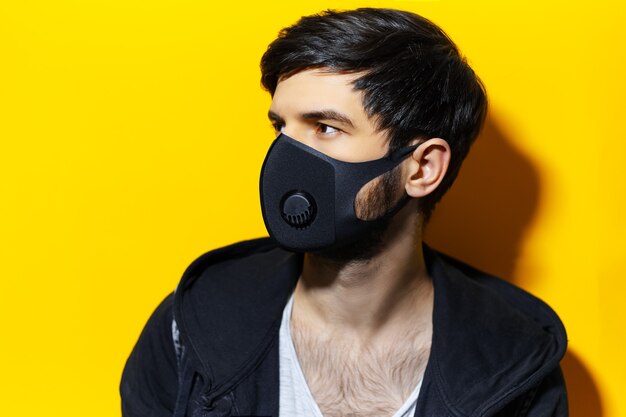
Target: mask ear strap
x=401, y=153
x=398, y=155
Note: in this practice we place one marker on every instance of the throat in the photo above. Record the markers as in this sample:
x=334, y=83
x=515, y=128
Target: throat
x=382, y=295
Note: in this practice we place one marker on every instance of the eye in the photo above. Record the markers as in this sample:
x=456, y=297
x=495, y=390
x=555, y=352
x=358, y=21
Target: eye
x=326, y=129
x=278, y=127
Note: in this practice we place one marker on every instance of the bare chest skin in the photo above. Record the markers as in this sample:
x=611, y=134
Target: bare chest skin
x=349, y=378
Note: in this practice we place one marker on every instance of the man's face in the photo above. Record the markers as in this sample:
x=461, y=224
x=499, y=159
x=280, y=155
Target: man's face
x=323, y=111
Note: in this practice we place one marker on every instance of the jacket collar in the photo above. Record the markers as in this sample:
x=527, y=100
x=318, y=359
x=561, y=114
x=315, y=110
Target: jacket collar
x=491, y=340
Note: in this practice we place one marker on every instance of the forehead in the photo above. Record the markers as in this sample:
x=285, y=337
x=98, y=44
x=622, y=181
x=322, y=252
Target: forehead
x=316, y=89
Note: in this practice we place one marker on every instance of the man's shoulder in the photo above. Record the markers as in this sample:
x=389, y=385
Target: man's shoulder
x=229, y=303
x=490, y=294
x=249, y=278
x=491, y=339
x=228, y=268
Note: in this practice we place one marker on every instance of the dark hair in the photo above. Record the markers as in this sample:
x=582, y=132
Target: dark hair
x=415, y=83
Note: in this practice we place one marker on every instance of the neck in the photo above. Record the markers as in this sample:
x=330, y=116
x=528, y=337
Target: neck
x=369, y=297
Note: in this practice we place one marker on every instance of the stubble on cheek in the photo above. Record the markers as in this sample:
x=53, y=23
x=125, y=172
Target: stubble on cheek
x=379, y=196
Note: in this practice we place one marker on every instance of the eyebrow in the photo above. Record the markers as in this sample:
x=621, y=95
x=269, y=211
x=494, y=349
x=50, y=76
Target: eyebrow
x=317, y=115
x=274, y=117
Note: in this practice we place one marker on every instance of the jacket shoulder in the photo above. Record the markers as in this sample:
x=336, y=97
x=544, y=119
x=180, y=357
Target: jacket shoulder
x=229, y=303
x=505, y=340
x=530, y=306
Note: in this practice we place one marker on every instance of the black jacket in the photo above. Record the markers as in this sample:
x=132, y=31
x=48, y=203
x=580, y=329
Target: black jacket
x=495, y=348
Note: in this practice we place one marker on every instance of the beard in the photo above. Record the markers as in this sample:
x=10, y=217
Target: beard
x=378, y=202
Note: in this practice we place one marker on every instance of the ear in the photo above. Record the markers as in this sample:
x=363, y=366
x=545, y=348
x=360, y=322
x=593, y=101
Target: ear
x=427, y=167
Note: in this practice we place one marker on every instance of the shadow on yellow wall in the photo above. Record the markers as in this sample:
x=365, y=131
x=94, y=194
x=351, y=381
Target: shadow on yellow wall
x=483, y=219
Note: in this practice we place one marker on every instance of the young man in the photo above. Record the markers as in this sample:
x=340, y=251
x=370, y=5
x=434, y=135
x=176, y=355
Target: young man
x=344, y=311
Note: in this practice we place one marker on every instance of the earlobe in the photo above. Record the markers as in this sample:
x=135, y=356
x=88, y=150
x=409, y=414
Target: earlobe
x=427, y=167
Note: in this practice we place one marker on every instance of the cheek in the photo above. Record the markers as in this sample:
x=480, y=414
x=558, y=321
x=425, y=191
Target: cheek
x=344, y=149
x=352, y=147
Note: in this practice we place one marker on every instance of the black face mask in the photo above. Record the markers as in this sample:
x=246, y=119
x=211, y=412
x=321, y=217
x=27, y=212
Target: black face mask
x=307, y=197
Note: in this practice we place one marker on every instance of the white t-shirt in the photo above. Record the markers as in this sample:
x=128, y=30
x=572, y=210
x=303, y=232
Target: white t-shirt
x=296, y=399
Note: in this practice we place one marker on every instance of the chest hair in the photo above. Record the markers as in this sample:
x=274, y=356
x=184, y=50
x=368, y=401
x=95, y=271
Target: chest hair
x=349, y=379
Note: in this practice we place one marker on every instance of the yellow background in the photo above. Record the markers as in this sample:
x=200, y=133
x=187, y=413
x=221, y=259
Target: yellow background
x=132, y=134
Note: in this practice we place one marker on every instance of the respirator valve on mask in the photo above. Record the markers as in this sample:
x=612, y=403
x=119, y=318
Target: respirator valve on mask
x=298, y=209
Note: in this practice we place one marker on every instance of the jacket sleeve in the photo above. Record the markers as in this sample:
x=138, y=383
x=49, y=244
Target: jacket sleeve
x=150, y=378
